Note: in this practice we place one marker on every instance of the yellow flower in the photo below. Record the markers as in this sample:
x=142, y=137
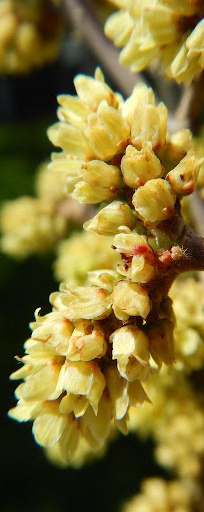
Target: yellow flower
x=169, y=32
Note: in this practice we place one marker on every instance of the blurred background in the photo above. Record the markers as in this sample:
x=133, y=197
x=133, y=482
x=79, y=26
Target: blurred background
x=29, y=481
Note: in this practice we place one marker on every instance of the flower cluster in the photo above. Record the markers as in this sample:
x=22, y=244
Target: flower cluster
x=163, y=30
x=160, y=496
x=30, y=34
x=120, y=152
x=73, y=388
x=86, y=361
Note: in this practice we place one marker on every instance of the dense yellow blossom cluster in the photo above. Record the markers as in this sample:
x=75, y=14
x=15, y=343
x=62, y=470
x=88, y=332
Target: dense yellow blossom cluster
x=167, y=31
x=160, y=496
x=30, y=34
x=86, y=361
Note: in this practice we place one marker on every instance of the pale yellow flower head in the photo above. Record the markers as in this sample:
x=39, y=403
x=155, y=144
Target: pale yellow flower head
x=72, y=389
x=120, y=153
x=30, y=34
x=165, y=31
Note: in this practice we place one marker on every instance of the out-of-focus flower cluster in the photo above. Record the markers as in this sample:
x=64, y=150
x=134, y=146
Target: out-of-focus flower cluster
x=86, y=361
x=33, y=225
x=175, y=420
x=162, y=30
x=82, y=253
x=30, y=34
x=160, y=496
x=188, y=304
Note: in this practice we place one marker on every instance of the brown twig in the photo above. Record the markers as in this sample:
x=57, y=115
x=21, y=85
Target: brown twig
x=191, y=103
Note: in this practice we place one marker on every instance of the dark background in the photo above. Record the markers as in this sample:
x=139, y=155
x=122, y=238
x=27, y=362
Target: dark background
x=28, y=480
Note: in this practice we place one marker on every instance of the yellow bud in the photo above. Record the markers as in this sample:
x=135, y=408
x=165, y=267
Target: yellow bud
x=183, y=177
x=107, y=131
x=180, y=143
x=140, y=270
x=130, y=299
x=150, y=124
x=88, y=302
x=93, y=91
x=70, y=139
x=110, y=218
x=95, y=429
x=83, y=378
x=119, y=27
x=87, y=342
x=72, y=110
x=140, y=166
x=130, y=348
x=100, y=182
x=154, y=201
x=141, y=95
x=161, y=344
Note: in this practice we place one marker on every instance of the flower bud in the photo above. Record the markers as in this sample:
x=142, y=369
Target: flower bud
x=87, y=342
x=103, y=278
x=95, y=429
x=72, y=110
x=55, y=327
x=119, y=27
x=183, y=177
x=130, y=348
x=140, y=166
x=106, y=132
x=150, y=124
x=154, y=201
x=88, y=302
x=92, y=91
x=138, y=257
x=83, y=378
x=161, y=342
x=110, y=218
x=70, y=139
x=179, y=143
x=99, y=183
x=130, y=299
